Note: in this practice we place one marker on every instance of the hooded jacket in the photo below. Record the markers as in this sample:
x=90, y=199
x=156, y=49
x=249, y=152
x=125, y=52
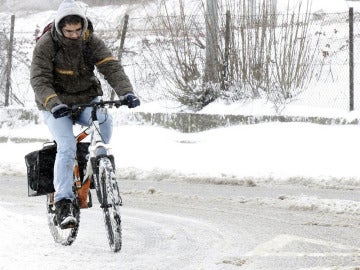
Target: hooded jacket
x=62, y=70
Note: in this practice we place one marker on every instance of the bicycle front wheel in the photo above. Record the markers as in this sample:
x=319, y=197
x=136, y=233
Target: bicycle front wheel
x=62, y=236
x=110, y=200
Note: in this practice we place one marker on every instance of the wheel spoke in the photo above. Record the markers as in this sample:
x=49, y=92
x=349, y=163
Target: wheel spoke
x=110, y=203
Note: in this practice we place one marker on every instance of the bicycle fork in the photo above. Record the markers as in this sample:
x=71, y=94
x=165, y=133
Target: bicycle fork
x=82, y=186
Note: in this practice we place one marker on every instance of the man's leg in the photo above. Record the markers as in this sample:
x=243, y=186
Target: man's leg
x=62, y=131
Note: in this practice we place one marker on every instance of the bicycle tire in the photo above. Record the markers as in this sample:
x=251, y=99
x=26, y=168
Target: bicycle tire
x=62, y=236
x=110, y=201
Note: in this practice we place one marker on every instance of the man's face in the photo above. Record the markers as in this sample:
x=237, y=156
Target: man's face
x=72, y=31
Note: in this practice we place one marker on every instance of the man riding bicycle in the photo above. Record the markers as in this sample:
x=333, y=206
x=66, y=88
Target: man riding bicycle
x=62, y=74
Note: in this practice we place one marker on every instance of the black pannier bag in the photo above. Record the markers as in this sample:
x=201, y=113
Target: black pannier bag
x=40, y=170
x=40, y=167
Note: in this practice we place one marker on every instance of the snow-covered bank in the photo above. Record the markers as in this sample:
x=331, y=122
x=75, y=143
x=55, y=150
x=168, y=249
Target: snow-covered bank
x=268, y=153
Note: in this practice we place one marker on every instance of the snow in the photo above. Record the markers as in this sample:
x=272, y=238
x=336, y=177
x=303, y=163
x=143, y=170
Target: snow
x=299, y=155
x=316, y=5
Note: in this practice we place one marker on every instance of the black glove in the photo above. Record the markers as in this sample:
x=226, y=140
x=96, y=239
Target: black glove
x=132, y=100
x=60, y=110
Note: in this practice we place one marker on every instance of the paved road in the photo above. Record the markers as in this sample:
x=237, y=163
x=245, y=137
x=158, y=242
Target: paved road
x=183, y=225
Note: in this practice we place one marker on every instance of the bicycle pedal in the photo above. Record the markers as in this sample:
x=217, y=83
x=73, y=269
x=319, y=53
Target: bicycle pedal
x=68, y=222
x=51, y=209
x=55, y=221
x=68, y=226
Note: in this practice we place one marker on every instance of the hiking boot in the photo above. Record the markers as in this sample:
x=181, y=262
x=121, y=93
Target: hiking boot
x=64, y=217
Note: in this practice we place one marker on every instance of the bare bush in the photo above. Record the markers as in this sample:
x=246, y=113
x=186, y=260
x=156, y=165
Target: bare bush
x=268, y=56
x=271, y=55
x=293, y=68
x=179, y=55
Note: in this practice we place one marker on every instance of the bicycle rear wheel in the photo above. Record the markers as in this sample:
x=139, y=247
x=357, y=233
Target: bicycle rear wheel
x=62, y=236
x=110, y=200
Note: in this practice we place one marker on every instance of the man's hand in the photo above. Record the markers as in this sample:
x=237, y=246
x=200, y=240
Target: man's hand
x=132, y=100
x=60, y=110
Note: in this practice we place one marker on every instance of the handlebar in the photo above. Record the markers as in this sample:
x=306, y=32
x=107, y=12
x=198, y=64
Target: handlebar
x=98, y=104
x=78, y=108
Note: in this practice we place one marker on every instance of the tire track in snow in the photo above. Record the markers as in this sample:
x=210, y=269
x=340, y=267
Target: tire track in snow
x=184, y=243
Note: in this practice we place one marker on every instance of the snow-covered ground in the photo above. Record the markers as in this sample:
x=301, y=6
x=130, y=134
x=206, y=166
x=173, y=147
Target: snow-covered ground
x=262, y=154
x=184, y=225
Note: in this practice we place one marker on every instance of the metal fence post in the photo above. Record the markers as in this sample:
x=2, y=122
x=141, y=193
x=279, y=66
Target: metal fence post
x=121, y=47
x=9, y=62
x=227, y=49
x=211, y=61
x=122, y=38
x=351, y=58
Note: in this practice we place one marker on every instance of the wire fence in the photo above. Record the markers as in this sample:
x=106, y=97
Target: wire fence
x=147, y=36
x=330, y=86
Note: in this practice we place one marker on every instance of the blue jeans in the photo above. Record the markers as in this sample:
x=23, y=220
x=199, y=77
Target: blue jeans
x=62, y=131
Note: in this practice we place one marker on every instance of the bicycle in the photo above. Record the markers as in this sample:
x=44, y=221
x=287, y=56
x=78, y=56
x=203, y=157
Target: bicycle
x=98, y=173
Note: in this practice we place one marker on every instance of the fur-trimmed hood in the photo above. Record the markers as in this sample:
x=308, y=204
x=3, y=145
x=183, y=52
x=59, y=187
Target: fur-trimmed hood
x=70, y=7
